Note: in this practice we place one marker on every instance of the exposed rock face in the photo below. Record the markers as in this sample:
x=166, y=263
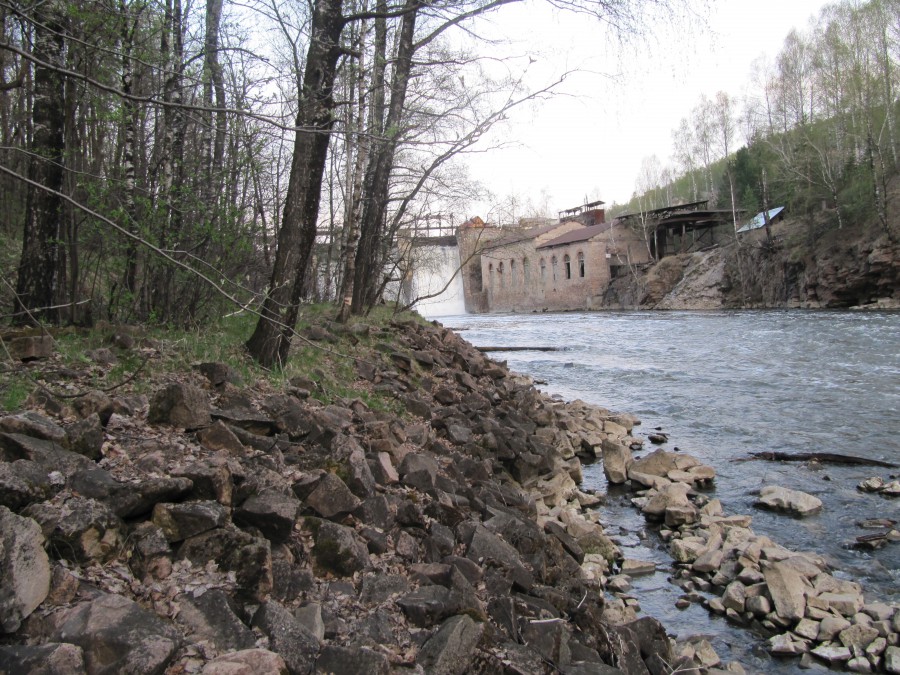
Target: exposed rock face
x=844, y=269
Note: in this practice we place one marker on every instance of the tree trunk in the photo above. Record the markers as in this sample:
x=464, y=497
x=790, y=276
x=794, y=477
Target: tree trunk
x=271, y=340
x=369, y=256
x=40, y=278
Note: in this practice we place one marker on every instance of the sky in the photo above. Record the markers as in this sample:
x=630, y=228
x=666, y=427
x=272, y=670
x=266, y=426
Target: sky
x=624, y=102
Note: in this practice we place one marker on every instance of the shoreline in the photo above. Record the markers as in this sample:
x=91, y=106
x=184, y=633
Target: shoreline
x=211, y=526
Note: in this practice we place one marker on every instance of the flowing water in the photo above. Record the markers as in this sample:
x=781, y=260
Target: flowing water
x=724, y=385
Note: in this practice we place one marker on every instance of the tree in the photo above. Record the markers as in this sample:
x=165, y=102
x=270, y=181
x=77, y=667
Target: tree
x=41, y=270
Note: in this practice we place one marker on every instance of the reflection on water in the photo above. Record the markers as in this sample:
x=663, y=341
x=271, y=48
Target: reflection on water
x=723, y=385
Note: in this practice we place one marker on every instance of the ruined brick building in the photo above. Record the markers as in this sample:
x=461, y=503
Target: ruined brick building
x=564, y=265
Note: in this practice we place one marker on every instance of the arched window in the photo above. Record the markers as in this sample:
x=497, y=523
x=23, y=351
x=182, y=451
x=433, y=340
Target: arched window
x=512, y=273
x=543, y=270
x=526, y=271
x=581, y=264
x=567, y=263
x=500, y=274
x=491, y=276
x=553, y=264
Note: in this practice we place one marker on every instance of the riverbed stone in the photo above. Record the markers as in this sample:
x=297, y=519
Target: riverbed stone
x=833, y=654
x=847, y=604
x=796, y=502
x=892, y=659
x=786, y=588
x=616, y=460
x=858, y=637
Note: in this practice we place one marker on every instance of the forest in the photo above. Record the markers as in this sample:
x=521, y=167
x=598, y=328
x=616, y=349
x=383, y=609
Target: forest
x=816, y=130
x=165, y=162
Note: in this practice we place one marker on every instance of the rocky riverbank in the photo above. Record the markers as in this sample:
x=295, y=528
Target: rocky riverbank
x=790, y=596
x=213, y=527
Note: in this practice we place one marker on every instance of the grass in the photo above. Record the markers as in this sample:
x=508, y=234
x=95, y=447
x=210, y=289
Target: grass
x=159, y=350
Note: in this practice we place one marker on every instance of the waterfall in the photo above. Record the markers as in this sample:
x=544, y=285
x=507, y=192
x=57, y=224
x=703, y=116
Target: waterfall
x=434, y=266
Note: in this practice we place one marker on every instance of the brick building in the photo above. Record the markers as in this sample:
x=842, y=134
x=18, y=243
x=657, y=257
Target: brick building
x=562, y=266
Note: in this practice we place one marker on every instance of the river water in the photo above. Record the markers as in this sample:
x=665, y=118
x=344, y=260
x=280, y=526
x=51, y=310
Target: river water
x=724, y=385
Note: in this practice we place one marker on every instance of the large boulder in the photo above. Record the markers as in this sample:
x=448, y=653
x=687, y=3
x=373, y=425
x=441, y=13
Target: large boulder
x=796, y=502
x=786, y=587
x=24, y=569
x=271, y=512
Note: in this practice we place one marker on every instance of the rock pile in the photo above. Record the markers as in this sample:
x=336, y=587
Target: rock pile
x=213, y=528
x=756, y=582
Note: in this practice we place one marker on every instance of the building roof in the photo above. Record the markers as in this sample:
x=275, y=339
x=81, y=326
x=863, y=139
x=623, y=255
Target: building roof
x=581, y=234
x=516, y=236
x=759, y=220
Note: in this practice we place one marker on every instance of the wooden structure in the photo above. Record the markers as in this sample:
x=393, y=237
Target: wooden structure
x=678, y=221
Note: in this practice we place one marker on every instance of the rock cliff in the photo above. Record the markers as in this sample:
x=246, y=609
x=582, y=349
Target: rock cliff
x=801, y=267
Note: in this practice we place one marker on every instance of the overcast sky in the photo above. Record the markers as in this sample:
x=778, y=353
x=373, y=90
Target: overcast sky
x=591, y=142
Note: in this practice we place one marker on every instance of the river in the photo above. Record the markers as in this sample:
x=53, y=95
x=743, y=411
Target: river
x=723, y=385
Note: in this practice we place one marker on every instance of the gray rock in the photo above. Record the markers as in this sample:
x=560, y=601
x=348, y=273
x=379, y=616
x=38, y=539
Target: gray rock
x=616, y=460
x=247, y=662
x=30, y=347
x=80, y=529
x=331, y=497
x=892, y=660
x=833, y=654
x=786, y=588
x=249, y=557
x=117, y=636
x=181, y=405
x=487, y=548
x=427, y=605
x=86, y=437
x=858, y=637
x=182, y=521
x=218, y=437
x=288, y=637
x=359, y=478
x=212, y=617
x=31, y=423
x=272, y=513
x=451, y=650
x=419, y=470
x=211, y=478
x=378, y=587
x=337, y=660
x=792, y=501
x=310, y=617
x=23, y=482
x=48, y=455
x=24, y=569
x=46, y=659
x=130, y=500
x=735, y=596
x=339, y=549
